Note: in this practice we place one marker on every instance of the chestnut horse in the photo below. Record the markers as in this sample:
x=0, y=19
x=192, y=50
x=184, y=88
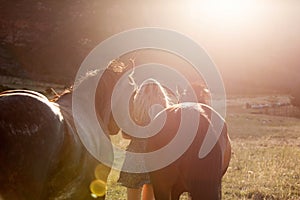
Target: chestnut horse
x=41, y=154
x=200, y=177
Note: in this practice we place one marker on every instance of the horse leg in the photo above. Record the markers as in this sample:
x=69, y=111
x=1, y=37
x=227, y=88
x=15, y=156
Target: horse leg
x=161, y=192
x=177, y=190
x=208, y=185
x=208, y=190
x=175, y=195
x=163, y=181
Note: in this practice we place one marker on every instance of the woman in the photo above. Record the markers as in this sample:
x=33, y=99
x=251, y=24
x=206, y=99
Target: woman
x=150, y=92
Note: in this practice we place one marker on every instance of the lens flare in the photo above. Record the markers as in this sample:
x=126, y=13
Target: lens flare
x=98, y=188
x=101, y=172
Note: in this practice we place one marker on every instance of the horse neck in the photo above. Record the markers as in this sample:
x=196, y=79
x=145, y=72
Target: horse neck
x=65, y=104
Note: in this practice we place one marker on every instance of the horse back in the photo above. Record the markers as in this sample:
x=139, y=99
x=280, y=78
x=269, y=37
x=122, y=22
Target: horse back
x=30, y=135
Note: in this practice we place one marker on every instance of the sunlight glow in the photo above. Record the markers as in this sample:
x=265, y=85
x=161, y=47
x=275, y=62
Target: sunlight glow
x=223, y=10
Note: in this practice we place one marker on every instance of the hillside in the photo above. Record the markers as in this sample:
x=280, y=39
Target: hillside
x=47, y=41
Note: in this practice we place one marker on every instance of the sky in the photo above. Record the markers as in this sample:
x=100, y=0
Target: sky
x=252, y=36
x=247, y=39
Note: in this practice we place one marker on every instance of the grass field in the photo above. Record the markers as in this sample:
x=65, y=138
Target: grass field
x=265, y=162
x=266, y=156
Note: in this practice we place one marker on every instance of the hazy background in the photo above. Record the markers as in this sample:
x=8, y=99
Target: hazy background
x=255, y=44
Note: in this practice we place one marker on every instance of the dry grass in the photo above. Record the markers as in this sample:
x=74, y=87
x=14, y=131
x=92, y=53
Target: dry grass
x=265, y=163
x=266, y=156
x=263, y=170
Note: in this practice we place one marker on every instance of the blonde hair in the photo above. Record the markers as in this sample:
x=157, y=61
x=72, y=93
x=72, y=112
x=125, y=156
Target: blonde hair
x=149, y=93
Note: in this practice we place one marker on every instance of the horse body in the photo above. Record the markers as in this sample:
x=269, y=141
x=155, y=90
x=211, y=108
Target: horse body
x=200, y=177
x=30, y=135
x=41, y=153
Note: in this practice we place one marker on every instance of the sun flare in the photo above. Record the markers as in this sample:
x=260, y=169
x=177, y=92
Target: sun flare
x=223, y=10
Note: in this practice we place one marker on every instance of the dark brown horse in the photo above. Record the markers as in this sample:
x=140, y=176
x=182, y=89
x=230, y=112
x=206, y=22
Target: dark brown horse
x=200, y=177
x=41, y=154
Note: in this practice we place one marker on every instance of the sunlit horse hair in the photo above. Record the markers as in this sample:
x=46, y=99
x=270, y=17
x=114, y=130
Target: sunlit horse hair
x=115, y=66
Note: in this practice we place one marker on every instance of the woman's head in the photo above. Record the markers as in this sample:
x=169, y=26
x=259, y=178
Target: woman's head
x=149, y=93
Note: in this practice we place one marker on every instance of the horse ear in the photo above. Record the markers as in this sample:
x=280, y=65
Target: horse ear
x=202, y=92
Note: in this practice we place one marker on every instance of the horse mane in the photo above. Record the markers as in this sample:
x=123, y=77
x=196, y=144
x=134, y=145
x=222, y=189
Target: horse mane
x=59, y=95
x=202, y=92
x=114, y=66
